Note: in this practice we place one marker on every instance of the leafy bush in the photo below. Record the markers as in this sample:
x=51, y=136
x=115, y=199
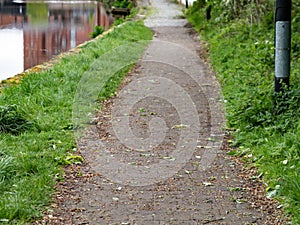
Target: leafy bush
x=97, y=31
x=119, y=21
x=123, y=4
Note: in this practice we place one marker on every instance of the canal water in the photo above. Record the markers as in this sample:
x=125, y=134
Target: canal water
x=32, y=32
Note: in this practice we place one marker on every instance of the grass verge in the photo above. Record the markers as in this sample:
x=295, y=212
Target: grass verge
x=33, y=153
x=266, y=127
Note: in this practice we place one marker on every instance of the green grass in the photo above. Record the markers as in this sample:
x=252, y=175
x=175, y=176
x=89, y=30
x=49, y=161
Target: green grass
x=265, y=126
x=31, y=159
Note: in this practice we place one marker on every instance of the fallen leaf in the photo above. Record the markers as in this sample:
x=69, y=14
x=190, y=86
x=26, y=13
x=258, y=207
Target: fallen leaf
x=169, y=158
x=208, y=184
x=115, y=199
x=179, y=126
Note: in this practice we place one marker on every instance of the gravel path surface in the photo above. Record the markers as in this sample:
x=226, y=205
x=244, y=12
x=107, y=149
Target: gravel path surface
x=157, y=153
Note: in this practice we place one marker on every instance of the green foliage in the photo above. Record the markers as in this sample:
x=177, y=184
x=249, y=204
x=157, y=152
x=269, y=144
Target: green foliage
x=240, y=37
x=119, y=21
x=30, y=162
x=13, y=121
x=97, y=31
x=6, y=168
x=71, y=159
x=123, y=4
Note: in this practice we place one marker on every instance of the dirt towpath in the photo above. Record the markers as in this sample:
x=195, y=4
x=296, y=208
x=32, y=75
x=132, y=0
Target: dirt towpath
x=157, y=154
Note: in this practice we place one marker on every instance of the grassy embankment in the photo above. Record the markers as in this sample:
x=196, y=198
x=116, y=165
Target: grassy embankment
x=36, y=128
x=240, y=42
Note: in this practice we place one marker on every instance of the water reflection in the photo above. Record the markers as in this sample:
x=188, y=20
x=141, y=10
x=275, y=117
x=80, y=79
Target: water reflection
x=32, y=32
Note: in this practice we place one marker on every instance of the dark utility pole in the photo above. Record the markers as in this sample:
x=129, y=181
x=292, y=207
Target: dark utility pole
x=282, y=43
x=186, y=3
